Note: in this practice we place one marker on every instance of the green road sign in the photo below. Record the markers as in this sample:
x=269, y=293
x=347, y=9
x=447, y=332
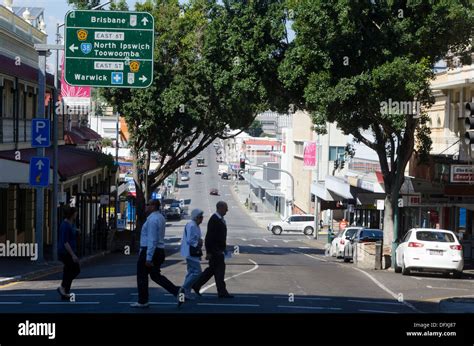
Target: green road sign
x=109, y=49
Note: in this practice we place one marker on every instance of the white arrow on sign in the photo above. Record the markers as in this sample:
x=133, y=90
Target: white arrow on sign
x=144, y=21
x=40, y=139
x=143, y=79
x=40, y=165
x=73, y=48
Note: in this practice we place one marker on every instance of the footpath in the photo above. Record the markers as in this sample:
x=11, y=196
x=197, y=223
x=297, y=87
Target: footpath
x=21, y=269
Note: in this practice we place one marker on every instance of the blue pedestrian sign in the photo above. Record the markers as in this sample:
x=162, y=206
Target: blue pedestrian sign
x=39, y=171
x=40, y=133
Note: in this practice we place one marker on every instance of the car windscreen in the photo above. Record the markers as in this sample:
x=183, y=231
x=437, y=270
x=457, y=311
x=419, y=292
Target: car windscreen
x=370, y=233
x=442, y=237
x=351, y=232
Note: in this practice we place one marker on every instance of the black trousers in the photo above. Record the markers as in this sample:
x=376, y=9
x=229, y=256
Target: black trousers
x=70, y=272
x=217, y=269
x=155, y=273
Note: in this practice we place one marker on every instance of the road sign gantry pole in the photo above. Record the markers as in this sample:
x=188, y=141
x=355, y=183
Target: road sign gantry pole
x=39, y=217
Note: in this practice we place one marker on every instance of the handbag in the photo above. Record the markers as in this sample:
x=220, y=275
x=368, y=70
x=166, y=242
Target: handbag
x=194, y=251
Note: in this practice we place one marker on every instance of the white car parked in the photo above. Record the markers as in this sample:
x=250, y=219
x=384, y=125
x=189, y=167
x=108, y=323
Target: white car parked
x=338, y=243
x=294, y=223
x=431, y=250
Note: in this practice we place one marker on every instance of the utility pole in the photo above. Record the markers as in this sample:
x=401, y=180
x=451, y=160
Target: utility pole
x=316, y=199
x=116, y=161
x=39, y=211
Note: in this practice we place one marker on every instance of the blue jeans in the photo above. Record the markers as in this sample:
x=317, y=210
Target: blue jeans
x=194, y=271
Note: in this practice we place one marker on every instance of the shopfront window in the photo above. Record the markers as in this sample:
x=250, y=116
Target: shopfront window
x=430, y=218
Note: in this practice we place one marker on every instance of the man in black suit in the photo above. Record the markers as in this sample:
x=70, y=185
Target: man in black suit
x=215, y=243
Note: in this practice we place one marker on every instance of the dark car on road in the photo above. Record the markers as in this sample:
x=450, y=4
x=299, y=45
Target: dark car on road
x=363, y=235
x=225, y=176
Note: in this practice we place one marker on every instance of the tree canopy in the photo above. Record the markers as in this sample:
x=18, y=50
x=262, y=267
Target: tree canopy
x=351, y=58
x=215, y=69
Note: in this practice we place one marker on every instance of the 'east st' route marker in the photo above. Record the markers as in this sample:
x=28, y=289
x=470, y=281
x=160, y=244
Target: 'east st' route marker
x=109, y=49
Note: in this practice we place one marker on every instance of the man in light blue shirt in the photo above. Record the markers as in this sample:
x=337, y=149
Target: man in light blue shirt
x=152, y=255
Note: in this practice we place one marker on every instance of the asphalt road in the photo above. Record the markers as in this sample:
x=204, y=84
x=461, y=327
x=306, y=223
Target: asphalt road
x=267, y=273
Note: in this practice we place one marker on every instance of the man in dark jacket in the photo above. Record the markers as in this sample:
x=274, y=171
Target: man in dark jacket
x=215, y=243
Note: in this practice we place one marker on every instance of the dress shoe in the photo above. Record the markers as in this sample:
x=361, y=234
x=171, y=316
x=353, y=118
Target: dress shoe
x=196, y=290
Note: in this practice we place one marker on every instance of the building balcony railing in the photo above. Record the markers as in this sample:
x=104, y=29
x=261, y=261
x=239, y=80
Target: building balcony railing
x=8, y=130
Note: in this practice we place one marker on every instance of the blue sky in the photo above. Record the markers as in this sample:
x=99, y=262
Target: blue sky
x=54, y=12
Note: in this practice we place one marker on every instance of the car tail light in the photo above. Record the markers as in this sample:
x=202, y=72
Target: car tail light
x=456, y=247
x=414, y=244
x=342, y=242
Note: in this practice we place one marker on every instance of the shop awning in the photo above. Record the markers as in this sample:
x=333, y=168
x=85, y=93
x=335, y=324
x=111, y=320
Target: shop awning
x=275, y=193
x=339, y=187
x=72, y=161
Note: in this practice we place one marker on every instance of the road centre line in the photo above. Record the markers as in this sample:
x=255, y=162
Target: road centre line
x=448, y=288
x=367, y=302
x=305, y=298
x=233, y=276
x=379, y=311
x=151, y=303
x=23, y=295
x=218, y=304
x=316, y=258
x=94, y=294
x=10, y=303
x=66, y=303
x=308, y=307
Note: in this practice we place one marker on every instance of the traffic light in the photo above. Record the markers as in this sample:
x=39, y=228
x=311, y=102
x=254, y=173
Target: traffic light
x=469, y=123
x=242, y=163
x=342, y=163
x=336, y=164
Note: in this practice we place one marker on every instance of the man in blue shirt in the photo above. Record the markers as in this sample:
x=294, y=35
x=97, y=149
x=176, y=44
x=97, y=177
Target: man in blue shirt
x=152, y=255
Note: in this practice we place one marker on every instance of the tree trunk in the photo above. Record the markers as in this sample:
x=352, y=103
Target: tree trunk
x=388, y=221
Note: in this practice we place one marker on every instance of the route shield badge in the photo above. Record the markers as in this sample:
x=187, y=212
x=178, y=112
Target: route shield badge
x=82, y=35
x=134, y=66
x=86, y=48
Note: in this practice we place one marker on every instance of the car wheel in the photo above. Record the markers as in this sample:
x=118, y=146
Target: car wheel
x=457, y=274
x=276, y=230
x=308, y=230
x=405, y=270
x=398, y=269
x=346, y=257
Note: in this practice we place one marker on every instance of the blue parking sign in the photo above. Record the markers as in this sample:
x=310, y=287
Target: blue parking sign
x=40, y=133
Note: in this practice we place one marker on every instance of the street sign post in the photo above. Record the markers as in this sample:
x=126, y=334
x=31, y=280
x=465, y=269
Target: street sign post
x=40, y=133
x=39, y=171
x=109, y=49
